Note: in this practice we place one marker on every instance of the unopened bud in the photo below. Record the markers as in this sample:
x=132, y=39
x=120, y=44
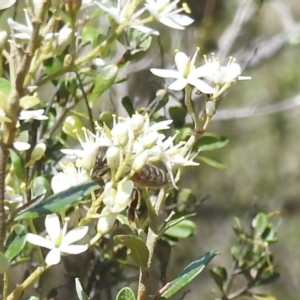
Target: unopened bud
x=67, y=60
x=120, y=131
x=139, y=161
x=210, y=108
x=113, y=157
x=3, y=38
x=137, y=122
x=106, y=221
x=62, y=40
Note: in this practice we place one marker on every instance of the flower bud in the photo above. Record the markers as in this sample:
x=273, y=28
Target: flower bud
x=62, y=40
x=137, y=122
x=3, y=38
x=106, y=221
x=120, y=131
x=139, y=161
x=113, y=157
x=210, y=108
x=36, y=154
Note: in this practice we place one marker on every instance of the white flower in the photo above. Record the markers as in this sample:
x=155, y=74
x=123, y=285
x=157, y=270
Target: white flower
x=186, y=74
x=89, y=146
x=170, y=155
x=219, y=75
x=120, y=15
x=37, y=114
x=165, y=12
x=70, y=176
x=25, y=32
x=116, y=200
x=59, y=241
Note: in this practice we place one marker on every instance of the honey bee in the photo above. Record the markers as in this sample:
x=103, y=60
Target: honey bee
x=150, y=176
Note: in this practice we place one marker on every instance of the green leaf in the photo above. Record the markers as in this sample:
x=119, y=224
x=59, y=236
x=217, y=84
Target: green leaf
x=178, y=115
x=219, y=274
x=4, y=263
x=5, y=86
x=125, y=293
x=260, y=223
x=90, y=34
x=262, y=297
x=188, y=274
x=272, y=278
x=79, y=290
x=71, y=126
x=211, y=162
x=58, y=202
x=27, y=102
x=128, y=105
x=182, y=229
x=17, y=164
x=103, y=81
x=15, y=242
x=216, y=144
x=138, y=249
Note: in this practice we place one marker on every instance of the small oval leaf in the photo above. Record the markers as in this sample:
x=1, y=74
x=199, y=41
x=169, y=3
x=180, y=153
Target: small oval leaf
x=125, y=293
x=189, y=273
x=79, y=290
x=211, y=162
x=183, y=229
x=138, y=249
x=15, y=242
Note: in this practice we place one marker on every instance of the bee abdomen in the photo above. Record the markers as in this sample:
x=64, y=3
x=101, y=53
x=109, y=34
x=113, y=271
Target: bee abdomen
x=151, y=176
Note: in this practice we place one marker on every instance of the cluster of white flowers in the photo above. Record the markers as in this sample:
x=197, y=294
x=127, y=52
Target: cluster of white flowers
x=208, y=78
x=131, y=144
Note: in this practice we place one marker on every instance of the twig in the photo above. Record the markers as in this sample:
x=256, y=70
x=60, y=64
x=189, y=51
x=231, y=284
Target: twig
x=244, y=12
x=229, y=114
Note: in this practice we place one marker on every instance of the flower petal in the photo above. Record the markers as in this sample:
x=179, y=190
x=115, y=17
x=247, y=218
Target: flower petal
x=75, y=235
x=53, y=257
x=201, y=85
x=165, y=73
x=178, y=84
x=182, y=20
x=232, y=72
x=73, y=249
x=181, y=61
x=39, y=241
x=52, y=225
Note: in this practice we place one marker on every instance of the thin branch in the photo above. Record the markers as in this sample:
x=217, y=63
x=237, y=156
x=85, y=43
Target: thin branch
x=229, y=114
x=243, y=13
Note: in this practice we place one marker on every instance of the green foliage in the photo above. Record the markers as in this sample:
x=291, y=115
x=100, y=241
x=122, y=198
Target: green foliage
x=252, y=258
x=125, y=294
x=188, y=274
x=103, y=81
x=15, y=242
x=58, y=202
x=138, y=250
